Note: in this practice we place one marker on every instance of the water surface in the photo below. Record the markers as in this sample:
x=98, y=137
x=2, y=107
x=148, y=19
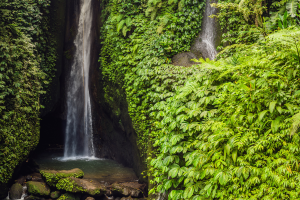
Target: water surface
x=93, y=168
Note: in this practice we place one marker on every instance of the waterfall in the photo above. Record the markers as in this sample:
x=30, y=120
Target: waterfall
x=205, y=44
x=79, y=132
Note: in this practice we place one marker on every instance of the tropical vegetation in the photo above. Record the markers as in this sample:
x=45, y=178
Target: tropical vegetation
x=222, y=129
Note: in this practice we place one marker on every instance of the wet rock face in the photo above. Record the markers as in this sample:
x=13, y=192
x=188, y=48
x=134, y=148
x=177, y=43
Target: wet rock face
x=16, y=191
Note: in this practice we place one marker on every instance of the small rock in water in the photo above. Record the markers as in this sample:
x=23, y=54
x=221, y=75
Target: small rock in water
x=28, y=178
x=55, y=195
x=21, y=180
x=16, y=191
x=90, y=198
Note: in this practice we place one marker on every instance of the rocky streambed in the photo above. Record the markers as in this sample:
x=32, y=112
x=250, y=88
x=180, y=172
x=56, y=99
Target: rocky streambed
x=70, y=185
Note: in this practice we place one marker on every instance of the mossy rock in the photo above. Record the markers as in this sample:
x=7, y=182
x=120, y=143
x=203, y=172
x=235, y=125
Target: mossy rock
x=55, y=194
x=53, y=176
x=38, y=188
x=69, y=196
x=76, y=185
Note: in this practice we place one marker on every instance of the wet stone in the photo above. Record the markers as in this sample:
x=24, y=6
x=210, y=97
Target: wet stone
x=55, y=194
x=127, y=189
x=90, y=198
x=16, y=191
x=89, y=186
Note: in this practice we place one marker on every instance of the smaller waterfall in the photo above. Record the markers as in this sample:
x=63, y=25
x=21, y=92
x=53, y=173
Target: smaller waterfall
x=79, y=133
x=205, y=45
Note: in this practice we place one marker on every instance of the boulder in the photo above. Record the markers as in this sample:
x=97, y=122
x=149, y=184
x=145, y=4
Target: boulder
x=53, y=176
x=38, y=188
x=21, y=180
x=77, y=185
x=16, y=191
x=69, y=196
x=126, y=189
x=184, y=59
x=55, y=194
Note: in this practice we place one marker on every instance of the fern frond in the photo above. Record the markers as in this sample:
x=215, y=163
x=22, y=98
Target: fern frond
x=124, y=30
x=172, y=1
x=295, y=124
x=128, y=21
x=292, y=7
x=120, y=25
x=181, y=5
x=153, y=14
x=149, y=11
x=119, y=17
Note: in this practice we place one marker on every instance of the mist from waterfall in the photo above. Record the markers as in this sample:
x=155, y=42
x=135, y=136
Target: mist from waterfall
x=79, y=132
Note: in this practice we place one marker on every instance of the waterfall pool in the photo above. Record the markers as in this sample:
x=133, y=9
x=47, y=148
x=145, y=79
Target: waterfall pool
x=93, y=168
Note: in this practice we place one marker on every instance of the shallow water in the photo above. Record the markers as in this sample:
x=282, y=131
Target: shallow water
x=93, y=168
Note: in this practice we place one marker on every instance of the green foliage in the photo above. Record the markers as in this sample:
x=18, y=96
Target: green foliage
x=26, y=66
x=231, y=132
x=129, y=61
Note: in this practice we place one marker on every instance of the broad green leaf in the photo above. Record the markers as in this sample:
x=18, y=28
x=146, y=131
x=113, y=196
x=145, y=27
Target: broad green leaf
x=272, y=106
x=188, y=192
x=290, y=108
x=295, y=124
x=262, y=114
x=234, y=155
x=275, y=124
x=168, y=184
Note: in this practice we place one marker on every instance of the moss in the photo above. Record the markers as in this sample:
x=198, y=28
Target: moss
x=38, y=188
x=68, y=196
x=55, y=195
x=69, y=185
x=52, y=177
x=81, y=185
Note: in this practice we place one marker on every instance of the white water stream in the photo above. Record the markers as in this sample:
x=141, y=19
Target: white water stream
x=79, y=132
x=205, y=44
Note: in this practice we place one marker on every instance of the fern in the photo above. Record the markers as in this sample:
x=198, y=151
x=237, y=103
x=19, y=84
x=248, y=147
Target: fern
x=295, y=124
x=120, y=25
x=292, y=6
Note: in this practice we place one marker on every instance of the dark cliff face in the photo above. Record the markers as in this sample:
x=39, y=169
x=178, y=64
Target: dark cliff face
x=110, y=139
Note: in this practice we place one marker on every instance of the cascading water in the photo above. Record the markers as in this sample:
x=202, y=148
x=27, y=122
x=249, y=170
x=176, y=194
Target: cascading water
x=205, y=44
x=79, y=132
